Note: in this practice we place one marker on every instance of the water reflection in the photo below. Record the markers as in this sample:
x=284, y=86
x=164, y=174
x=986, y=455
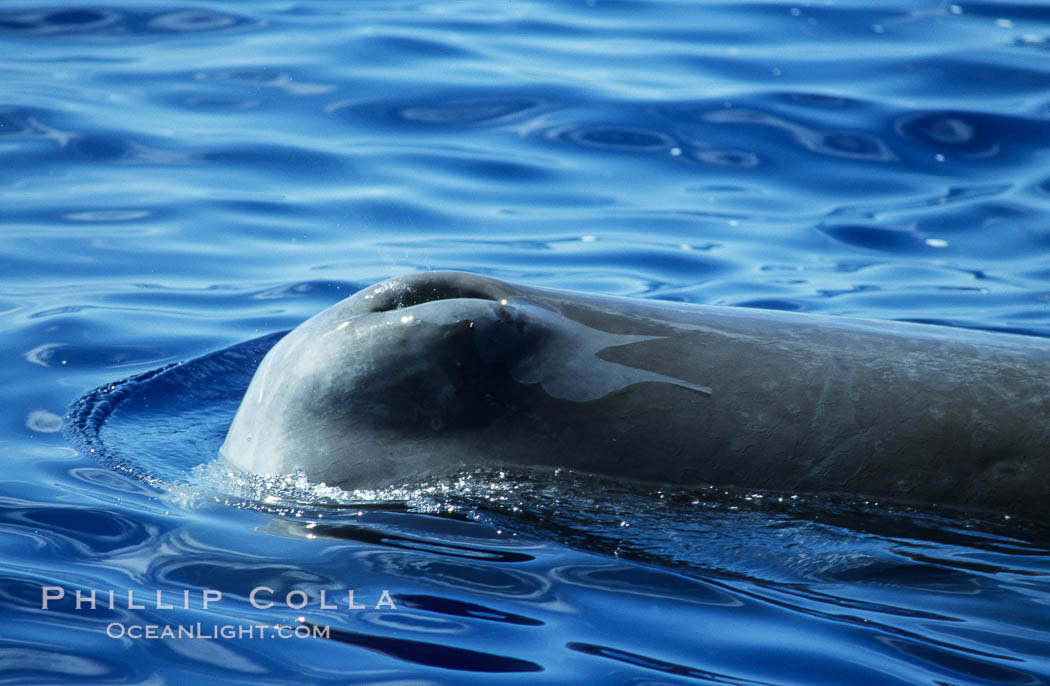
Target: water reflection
x=854, y=145
x=615, y=138
x=640, y=581
x=459, y=608
x=963, y=133
x=27, y=124
x=43, y=421
x=877, y=238
x=739, y=159
x=24, y=662
x=114, y=24
x=432, y=654
x=472, y=578
x=90, y=532
x=453, y=112
x=674, y=669
x=265, y=78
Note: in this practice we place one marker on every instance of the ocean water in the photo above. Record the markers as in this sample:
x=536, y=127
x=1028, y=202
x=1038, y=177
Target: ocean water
x=179, y=183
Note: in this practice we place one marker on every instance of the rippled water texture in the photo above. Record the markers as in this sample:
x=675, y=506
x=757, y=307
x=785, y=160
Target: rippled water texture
x=181, y=182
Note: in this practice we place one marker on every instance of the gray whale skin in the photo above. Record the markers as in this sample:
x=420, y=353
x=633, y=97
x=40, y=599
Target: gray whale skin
x=435, y=371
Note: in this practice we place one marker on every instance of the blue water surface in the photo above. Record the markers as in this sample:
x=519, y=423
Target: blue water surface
x=182, y=181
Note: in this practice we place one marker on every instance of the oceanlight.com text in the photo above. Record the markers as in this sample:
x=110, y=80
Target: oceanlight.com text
x=200, y=630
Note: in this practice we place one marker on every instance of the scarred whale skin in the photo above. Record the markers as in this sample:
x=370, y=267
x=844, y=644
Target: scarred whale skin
x=434, y=371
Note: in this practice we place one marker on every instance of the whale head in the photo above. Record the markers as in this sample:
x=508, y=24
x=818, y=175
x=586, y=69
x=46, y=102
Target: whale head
x=358, y=394
x=430, y=372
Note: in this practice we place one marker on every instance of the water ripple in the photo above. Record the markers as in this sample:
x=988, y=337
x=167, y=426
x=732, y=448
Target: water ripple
x=111, y=24
x=433, y=654
x=450, y=113
x=660, y=665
